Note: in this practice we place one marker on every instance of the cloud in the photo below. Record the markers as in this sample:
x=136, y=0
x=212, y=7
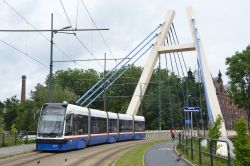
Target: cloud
x=223, y=28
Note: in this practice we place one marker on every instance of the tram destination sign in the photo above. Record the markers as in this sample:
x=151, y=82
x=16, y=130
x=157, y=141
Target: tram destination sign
x=191, y=109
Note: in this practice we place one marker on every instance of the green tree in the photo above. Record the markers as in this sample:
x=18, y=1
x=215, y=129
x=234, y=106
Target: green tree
x=239, y=73
x=1, y=108
x=77, y=81
x=60, y=94
x=242, y=143
x=214, y=130
x=25, y=118
x=10, y=114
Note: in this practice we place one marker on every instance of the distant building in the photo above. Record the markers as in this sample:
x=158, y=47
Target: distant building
x=229, y=111
x=23, y=88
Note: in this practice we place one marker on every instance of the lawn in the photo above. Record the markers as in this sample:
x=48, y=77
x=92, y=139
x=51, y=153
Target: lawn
x=135, y=156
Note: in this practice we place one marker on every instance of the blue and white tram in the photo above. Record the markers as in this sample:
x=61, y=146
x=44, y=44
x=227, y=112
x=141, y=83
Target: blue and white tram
x=64, y=127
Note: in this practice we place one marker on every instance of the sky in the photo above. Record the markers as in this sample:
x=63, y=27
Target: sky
x=223, y=28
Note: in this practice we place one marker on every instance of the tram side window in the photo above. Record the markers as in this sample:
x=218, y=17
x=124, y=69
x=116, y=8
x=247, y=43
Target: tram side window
x=112, y=125
x=139, y=126
x=125, y=125
x=76, y=125
x=83, y=124
x=98, y=125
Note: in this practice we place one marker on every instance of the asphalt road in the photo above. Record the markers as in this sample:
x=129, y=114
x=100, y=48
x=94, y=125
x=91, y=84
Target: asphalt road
x=163, y=154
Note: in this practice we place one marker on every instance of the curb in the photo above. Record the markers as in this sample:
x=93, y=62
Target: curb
x=183, y=157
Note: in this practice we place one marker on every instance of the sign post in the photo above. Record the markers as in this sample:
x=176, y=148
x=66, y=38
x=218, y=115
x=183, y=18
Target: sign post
x=190, y=109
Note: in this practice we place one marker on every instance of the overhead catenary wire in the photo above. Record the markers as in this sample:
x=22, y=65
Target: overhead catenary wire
x=122, y=67
x=117, y=65
x=119, y=76
x=23, y=53
x=105, y=42
x=99, y=59
x=29, y=23
x=78, y=39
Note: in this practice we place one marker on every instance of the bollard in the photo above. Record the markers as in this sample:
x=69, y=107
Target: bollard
x=186, y=146
x=15, y=138
x=200, y=151
x=211, y=153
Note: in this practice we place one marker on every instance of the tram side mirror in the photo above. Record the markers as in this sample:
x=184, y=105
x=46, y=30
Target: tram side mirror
x=68, y=117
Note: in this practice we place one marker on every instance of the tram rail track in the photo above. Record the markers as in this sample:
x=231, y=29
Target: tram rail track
x=94, y=155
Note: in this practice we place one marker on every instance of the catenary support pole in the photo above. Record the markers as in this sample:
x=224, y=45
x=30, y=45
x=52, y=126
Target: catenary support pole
x=51, y=61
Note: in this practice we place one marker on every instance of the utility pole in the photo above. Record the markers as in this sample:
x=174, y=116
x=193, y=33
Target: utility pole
x=104, y=94
x=159, y=80
x=51, y=61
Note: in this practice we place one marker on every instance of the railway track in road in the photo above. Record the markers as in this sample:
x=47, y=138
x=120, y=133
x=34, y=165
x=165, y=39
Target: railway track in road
x=93, y=155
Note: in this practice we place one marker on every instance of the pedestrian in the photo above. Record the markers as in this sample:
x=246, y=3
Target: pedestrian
x=172, y=132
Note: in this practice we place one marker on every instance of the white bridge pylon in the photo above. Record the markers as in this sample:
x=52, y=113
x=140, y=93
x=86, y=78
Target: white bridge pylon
x=195, y=45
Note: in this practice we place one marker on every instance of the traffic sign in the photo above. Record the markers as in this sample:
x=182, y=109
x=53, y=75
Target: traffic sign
x=191, y=109
x=188, y=122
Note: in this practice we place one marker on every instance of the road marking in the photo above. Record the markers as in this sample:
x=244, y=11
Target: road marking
x=164, y=149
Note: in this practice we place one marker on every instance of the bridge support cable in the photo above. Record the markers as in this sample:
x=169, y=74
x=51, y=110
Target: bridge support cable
x=150, y=64
x=179, y=43
x=117, y=65
x=176, y=41
x=178, y=73
x=116, y=71
x=119, y=76
x=200, y=97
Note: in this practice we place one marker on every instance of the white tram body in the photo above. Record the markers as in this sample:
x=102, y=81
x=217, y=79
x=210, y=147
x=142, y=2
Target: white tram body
x=65, y=127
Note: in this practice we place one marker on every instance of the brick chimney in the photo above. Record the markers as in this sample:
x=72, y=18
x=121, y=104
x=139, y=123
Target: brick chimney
x=23, y=90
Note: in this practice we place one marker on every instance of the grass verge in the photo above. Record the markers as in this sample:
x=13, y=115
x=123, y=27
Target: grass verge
x=135, y=156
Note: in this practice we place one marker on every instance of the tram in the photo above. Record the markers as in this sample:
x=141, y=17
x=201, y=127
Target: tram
x=63, y=127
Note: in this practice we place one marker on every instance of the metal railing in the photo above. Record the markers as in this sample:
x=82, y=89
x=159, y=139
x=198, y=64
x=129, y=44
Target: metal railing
x=159, y=133
x=205, y=148
x=22, y=137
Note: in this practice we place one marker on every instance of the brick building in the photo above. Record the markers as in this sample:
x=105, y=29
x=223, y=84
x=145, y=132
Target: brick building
x=229, y=111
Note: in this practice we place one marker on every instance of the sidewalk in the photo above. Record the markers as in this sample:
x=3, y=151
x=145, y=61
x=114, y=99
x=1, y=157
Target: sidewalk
x=14, y=150
x=163, y=154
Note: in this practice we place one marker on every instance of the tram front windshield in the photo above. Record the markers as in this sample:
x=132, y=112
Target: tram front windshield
x=51, y=121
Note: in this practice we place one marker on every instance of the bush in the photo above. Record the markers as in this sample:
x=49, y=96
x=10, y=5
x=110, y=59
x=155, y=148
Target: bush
x=242, y=143
x=13, y=130
x=214, y=130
